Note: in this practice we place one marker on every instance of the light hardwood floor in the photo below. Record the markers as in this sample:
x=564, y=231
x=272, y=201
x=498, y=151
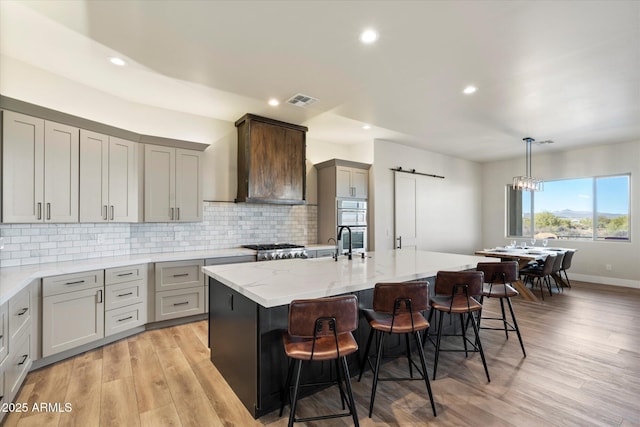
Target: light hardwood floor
x=582, y=368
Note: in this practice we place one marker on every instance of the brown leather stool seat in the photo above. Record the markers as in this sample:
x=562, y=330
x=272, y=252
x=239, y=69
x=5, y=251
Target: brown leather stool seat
x=319, y=330
x=456, y=293
x=397, y=309
x=498, y=277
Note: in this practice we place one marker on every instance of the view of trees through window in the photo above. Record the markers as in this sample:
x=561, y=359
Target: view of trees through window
x=568, y=209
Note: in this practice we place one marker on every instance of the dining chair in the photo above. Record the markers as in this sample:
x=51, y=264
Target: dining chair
x=540, y=274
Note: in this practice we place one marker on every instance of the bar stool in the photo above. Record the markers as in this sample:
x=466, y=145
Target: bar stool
x=319, y=330
x=397, y=309
x=498, y=278
x=455, y=293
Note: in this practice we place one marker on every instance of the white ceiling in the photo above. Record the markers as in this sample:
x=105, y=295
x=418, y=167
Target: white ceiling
x=568, y=71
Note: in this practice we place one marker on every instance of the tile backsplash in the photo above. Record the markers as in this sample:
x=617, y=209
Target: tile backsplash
x=224, y=225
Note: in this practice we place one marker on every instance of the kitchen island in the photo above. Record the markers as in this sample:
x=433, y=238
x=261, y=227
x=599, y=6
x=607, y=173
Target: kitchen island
x=248, y=310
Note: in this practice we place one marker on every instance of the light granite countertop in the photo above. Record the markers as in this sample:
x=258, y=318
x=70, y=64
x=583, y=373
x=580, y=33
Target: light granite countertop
x=271, y=284
x=14, y=279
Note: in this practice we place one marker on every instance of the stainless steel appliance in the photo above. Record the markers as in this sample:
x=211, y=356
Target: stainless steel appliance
x=271, y=251
x=359, y=237
x=352, y=213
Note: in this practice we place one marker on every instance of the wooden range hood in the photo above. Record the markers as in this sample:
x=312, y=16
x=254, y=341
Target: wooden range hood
x=271, y=161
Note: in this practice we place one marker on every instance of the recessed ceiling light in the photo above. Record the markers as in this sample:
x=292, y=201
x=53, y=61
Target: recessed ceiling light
x=368, y=36
x=274, y=102
x=469, y=90
x=117, y=61
x=366, y=127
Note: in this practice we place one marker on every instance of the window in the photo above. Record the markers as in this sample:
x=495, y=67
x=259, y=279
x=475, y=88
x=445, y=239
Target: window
x=568, y=209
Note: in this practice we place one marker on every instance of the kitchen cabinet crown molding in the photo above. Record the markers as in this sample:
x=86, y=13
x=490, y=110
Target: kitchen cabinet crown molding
x=340, y=162
x=23, y=107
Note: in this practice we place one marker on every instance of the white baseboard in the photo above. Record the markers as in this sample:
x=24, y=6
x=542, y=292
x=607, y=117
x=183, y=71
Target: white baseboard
x=606, y=280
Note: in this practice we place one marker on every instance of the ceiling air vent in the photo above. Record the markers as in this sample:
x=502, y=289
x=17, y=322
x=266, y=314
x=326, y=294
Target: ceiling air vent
x=300, y=100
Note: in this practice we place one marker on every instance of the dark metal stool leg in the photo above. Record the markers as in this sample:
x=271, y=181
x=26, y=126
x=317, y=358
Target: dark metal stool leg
x=406, y=340
x=294, y=402
x=424, y=371
x=475, y=329
x=375, y=372
x=435, y=363
x=515, y=326
x=504, y=318
x=347, y=381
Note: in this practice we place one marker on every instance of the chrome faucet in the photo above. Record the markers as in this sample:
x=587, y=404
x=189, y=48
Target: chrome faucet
x=335, y=254
x=342, y=227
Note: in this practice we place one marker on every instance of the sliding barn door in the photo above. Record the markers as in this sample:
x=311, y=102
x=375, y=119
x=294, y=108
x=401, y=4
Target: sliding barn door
x=406, y=212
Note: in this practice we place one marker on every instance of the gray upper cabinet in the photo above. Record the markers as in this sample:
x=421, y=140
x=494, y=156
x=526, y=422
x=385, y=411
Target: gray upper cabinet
x=173, y=184
x=109, y=178
x=40, y=170
x=352, y=182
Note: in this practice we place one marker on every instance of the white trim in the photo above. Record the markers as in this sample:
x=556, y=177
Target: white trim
x=601, y=280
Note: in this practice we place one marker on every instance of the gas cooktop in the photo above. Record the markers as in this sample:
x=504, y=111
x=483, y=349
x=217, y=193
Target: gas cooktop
x=270, y=251
x=273, y=246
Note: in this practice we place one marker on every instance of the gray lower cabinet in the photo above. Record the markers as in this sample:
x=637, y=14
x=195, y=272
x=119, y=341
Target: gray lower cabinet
x=125, y=298
x=179, y=289
x=16, y=354
x=72, y=311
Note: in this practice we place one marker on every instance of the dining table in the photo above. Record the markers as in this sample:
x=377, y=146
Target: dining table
x=524, y=255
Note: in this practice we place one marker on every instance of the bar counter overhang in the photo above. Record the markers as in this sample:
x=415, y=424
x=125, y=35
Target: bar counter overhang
x=248, y=310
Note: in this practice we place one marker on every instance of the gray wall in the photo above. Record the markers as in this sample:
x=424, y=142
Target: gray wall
x=592, y=257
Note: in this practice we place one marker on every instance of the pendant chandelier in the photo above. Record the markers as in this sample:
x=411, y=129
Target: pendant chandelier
x=527, y=182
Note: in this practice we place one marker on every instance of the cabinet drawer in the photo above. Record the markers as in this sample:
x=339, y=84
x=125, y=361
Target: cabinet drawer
x=4, y=334
x=125, y=274
x=179, y=303
x=179, y=274
x=19, y=313
x=122, y=319
x=124, y=294
x=3, y=396
x=72, y=282
x=17, y=366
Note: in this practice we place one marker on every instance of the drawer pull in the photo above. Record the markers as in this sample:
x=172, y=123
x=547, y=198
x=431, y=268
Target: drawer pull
x=125, y=318
x=23, y=311
x=100, y=296
x=124, y=295
x=181, y=303
x=181, y=275
x=75, y=283
x=24, y=359
x=125, y=274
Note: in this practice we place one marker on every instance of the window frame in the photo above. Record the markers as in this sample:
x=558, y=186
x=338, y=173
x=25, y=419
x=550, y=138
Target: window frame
x=594, y=212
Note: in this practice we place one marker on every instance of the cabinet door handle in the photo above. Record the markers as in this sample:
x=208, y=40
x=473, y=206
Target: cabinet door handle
x=124, y=295
x=100, y=296
x=39, y=210
x=181, y=275
x=171, y=214
x=24, y=359
x=181, y=303
x=231, y=302
x=125, y=318
x=177, y=214
x=23, y=311
x=75, y=283
x=104, y=215
x=112, y=212
x=125, y=274
x=48, y=211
